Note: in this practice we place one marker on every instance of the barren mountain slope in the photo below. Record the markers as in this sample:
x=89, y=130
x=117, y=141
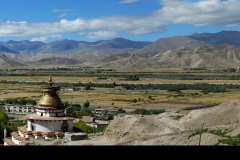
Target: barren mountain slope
x=171, y=43
x=6, y=62
x=164, y=129
x=204, y=56
x=125, y=62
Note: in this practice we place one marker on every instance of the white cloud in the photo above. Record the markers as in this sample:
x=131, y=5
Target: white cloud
x=170, y=3
x=45, y=38
x=101, y=34
x=62, y=15
x=128, y=1
x=21, y=22
x=203, y=12
x=61, y=10
x=41, y=39
x=56, y=36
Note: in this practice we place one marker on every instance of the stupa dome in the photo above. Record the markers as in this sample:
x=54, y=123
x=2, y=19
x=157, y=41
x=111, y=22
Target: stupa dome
x=50, y=97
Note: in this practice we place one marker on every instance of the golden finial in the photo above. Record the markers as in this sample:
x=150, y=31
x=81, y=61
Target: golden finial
x=50, y=80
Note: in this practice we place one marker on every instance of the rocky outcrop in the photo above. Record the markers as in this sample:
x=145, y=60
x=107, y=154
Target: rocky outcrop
x=167, y=129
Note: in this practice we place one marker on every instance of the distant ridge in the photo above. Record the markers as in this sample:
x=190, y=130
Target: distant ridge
x=63, y=47
x=6, y=62
x=196, y=50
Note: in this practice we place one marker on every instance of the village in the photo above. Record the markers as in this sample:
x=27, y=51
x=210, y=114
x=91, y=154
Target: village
x=49, y=120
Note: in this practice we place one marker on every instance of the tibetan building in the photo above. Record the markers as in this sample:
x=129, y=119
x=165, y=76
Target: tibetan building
x=48, y=120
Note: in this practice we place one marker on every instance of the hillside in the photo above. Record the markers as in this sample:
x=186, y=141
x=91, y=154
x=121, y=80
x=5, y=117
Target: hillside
x=197, y=50
x=192, y=41
x=165, y=129
x=204, y=56
x=6, y=62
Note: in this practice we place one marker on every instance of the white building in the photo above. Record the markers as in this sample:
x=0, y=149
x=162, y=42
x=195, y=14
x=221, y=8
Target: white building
x=47, y=121
x=12, y=108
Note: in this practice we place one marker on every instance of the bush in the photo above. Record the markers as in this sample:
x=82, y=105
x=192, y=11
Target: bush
x=85, y=128
x=147, y=112
x=86, y=104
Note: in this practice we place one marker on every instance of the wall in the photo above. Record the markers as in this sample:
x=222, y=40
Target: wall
x=44, y=126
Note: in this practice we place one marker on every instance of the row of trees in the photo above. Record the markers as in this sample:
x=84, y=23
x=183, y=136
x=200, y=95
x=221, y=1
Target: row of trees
x=21, y=101
x=78, y=111
x=204, y=87
x=147, y=112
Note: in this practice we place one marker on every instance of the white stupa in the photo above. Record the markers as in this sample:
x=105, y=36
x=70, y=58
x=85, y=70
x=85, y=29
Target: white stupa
x=48, y=121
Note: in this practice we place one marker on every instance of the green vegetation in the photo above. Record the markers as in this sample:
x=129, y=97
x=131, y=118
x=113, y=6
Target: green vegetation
x=3, y=122
x=11, y=125
x=132, y=78
x=233, y=141
x=21, y=101
x=104, y=128
x=147, y=112
x=228, y=140
x=87, y=86
x=85, y=128
x=84, y=112
x=178, y=117
x=77, y=111
x=216, y=132
x=205, y=87
x=86, y=104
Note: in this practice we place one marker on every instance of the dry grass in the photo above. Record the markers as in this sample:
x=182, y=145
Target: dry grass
x=113, y=97
x=108, y=97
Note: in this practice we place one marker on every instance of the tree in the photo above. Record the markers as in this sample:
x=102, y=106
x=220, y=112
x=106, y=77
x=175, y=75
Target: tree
x=86, y=104
x=66, y=104
x=76, y=107
x=88, y=86
x=22, y=101
x=85, y=112
x=3, y=122
x=104, y=112
x=110, y=116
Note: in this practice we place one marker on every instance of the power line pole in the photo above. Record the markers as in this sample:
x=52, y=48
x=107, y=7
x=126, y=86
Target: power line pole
x=200, y=134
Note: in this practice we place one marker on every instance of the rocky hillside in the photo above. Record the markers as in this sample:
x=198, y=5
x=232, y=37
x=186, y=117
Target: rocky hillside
x=6, y=62
x=192, y=41
x=169, y=128
x=204, y=56
x=197, y=50
x=223, y=55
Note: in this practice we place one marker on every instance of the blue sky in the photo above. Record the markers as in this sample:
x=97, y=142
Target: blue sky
x=93, y=20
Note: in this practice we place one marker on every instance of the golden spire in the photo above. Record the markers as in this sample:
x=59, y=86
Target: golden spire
x=50, y=80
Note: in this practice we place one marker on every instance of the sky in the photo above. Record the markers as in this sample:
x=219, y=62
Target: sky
x=93, y=20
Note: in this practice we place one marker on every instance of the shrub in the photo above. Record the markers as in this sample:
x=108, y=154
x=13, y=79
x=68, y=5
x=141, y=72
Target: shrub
x=147, y=112
x=85, y=128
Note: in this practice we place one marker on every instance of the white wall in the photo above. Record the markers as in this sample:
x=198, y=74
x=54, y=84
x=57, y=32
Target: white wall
x=15, y=141
x=44, y=126
x=51, y=114
x=15, y=108
x=5, y=144
x=29, y=127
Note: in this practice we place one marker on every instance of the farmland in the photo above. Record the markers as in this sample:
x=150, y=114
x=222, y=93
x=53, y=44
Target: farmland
x=110, y=87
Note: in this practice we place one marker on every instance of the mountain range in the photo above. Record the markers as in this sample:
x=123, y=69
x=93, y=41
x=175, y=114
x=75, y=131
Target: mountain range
x=196, y=50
